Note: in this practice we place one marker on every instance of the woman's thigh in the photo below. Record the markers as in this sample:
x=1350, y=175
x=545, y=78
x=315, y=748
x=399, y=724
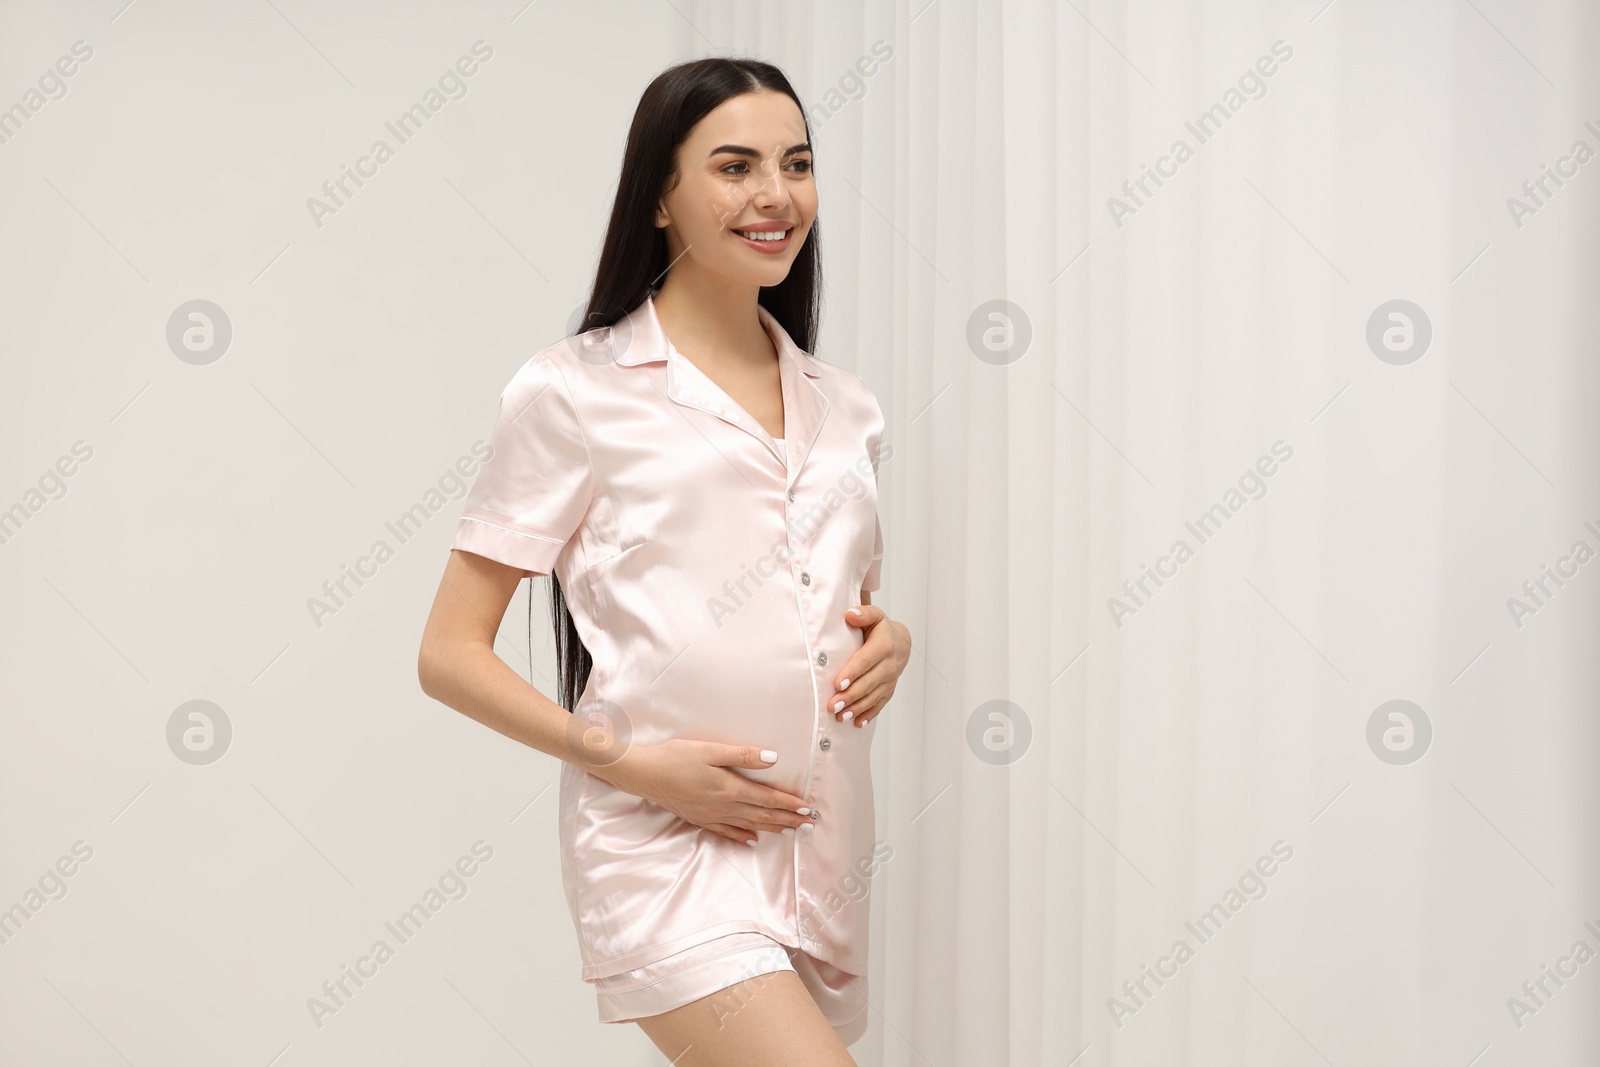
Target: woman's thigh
x=770, y=1020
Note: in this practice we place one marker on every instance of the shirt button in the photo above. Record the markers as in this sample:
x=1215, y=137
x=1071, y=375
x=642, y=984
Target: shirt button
x=791, y=494
x=822, y=658
x=805, y=578
x=815, y=814
x=825, y=743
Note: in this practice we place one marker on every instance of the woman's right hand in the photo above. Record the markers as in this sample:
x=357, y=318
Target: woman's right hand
x=695, y=780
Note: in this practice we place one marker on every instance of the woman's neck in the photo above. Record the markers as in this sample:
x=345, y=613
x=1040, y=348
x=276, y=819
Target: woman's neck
x=716, y=326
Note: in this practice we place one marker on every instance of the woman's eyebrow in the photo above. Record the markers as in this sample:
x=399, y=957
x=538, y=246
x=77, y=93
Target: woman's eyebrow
x=741, y=150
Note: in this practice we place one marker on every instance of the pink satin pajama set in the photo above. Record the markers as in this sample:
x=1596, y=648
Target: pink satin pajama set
x=708, y=568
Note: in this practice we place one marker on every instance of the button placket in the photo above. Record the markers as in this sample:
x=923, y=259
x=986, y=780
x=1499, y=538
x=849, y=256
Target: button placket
x=803, y=599
x=821, y=660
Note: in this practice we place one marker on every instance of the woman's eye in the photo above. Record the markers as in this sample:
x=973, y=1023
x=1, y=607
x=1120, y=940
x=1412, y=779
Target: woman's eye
x=744, y=168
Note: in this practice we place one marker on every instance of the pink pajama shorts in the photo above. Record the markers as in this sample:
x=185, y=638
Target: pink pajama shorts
x=716, y=964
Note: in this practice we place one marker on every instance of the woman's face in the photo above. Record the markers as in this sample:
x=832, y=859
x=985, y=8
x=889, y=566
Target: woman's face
x=745, y=169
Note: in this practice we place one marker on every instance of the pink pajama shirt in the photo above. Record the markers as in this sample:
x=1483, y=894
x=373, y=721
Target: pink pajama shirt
x=708, y=569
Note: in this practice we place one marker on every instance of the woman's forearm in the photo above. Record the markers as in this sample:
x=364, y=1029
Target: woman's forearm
x=475, y=681
x=480, y=685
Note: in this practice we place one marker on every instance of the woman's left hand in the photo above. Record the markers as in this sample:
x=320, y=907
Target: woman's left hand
x=867, y=681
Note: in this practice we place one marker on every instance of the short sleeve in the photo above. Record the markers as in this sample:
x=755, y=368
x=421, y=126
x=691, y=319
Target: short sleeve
x=874, y=575
x=875, y=570
x=531, y=494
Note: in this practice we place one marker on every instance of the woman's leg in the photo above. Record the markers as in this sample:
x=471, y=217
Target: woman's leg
x=838, y=994
x=770, y=1020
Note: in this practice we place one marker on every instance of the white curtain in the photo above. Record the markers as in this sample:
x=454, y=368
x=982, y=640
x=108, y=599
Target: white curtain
x=1078, y=775
x=1317, y=788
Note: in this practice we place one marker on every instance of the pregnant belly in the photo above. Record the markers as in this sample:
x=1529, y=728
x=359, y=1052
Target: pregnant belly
x=670, y=662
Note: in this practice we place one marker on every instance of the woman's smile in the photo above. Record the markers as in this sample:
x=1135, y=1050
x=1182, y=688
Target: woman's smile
x=771, y=238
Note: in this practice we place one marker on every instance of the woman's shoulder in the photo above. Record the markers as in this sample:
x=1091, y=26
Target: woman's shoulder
x=566, y=362
x=537, y=373
x=841, y=384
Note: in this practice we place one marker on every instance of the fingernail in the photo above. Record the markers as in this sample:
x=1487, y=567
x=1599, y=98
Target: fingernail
x=805, y=826
x=849, y=715
x=855, y=611
x=839, y=706
x=787, y=830
x=844, y=685
x=802, y=811
x=769, y=755
x=752, y=841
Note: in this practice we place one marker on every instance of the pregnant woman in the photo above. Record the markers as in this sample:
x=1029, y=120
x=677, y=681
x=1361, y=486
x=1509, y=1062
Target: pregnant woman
x=703, y=494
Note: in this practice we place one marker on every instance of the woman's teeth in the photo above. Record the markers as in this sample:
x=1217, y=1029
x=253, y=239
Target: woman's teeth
x=767, y=235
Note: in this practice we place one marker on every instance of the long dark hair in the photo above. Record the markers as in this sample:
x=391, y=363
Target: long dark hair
x=633, y=261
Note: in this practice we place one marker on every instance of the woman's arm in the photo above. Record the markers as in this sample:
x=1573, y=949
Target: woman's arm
x=458, y=666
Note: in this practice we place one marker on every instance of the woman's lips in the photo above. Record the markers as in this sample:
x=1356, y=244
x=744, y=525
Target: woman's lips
x=771, y=248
